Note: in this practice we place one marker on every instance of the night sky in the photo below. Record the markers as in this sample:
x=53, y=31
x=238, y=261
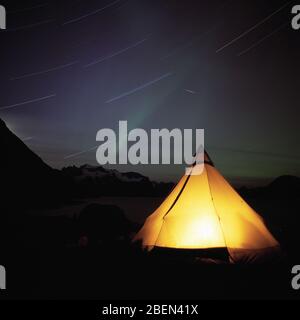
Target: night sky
x=70, y=68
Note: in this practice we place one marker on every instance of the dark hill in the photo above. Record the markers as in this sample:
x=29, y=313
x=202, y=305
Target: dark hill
x=285, y=186
x=94, y=181
x=26, y=180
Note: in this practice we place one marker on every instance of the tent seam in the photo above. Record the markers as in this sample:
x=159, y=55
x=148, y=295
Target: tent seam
x=219, y=218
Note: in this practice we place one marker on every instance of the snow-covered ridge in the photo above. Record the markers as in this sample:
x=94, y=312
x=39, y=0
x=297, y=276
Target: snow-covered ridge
x=100, y=172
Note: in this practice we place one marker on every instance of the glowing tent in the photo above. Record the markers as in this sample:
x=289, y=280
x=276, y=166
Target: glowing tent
x=205, y=212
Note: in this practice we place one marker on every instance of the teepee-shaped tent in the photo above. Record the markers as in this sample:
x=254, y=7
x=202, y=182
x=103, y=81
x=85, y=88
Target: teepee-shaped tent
x=204, y=212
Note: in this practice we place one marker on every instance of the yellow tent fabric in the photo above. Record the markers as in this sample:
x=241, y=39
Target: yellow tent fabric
x=204, y=211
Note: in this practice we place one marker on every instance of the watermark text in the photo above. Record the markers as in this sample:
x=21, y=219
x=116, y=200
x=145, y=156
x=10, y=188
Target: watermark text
x=163, y=146
x=2, y=17
x=296, y=17
x=2, y=278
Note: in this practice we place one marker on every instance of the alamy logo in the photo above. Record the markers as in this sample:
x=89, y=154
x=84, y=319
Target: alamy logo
x=161, y=147
x=2, y=17
x=296, y=18
x=2, y=278
x=296, y=279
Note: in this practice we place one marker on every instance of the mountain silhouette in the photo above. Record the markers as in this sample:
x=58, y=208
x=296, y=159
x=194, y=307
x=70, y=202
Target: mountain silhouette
x=26, y=179
x=29, y=182
x=93, y=181
x=285, y=186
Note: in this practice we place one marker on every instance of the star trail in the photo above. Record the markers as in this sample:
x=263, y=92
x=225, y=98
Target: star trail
x=69, y=69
